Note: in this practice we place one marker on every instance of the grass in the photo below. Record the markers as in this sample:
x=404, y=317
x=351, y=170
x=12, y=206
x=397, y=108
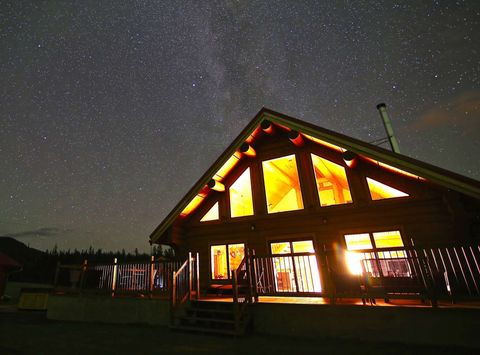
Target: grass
x=31, y=333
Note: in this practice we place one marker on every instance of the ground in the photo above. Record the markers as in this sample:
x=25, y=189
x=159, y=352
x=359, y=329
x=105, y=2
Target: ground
x=30, y=333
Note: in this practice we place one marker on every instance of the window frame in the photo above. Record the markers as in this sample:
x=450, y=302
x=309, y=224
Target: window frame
x=375, y=250
x=314, y=180
x=301, y=180
x=229, y=273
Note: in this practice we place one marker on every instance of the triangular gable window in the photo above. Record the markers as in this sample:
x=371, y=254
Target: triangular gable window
x=332, y=183
x=241, y=202
x=380, y=191
x=212, y=214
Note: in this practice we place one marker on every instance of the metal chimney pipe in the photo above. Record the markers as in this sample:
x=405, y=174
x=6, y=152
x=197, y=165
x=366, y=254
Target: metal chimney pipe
x=382, y=108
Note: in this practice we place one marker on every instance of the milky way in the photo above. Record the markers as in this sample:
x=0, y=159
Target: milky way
x=111, y=110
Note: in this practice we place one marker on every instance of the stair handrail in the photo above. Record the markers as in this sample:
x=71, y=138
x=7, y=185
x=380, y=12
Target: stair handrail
x=185, y=274
x=240, y=308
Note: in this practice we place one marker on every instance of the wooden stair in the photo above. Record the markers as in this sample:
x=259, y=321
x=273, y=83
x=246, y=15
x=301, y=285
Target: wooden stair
x=211, y=317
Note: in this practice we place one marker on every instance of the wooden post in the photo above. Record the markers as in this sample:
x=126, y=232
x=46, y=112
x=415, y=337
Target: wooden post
x=254, y=277
x=234, y=287
x=152, y=275
x=190, y=275
x=114, y=277
x=197, y=288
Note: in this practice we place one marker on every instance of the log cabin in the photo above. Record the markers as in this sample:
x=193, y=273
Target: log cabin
x=314, y=207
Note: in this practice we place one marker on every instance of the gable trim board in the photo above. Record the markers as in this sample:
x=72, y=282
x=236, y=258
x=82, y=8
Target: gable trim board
x=445, y=178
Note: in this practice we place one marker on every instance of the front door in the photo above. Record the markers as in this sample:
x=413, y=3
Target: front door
x=295, y=267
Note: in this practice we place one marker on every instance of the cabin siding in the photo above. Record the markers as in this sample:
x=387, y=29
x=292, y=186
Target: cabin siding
x=430, y=215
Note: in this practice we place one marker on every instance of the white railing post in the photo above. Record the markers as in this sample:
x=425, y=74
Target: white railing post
x=114, y=276
x=197, y=286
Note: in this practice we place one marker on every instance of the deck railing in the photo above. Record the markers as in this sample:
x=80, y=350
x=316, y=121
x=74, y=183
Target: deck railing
x=147, y=278
x=185, y=285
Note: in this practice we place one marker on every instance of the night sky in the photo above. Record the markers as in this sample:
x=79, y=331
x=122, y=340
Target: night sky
x=111, y=110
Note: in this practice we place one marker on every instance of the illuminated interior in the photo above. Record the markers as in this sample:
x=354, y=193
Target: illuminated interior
x=236, y=253
x=380, y=191
x=295, y=271
x=332, y=184
x=391, y=239
x=241, y=202
x=282, y=185
x=358, y=241
x=212, y=214
x=219, y=262
x=223, y=265
x=377, y=254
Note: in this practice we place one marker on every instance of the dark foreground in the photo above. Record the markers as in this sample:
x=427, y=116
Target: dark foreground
x=31, y=333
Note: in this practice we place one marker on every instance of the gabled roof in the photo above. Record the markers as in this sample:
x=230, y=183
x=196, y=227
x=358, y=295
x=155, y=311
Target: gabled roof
x=423, y=170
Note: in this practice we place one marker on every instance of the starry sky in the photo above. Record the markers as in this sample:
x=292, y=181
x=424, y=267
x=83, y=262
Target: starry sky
x=111, y=110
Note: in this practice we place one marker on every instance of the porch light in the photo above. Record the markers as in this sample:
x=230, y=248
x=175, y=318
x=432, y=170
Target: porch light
x=267, y=127
x=216, y=185
x=248, y=150
x=350, y=158
x=296, y=138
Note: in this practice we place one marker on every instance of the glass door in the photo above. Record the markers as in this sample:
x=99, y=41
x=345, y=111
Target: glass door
x=295, y=267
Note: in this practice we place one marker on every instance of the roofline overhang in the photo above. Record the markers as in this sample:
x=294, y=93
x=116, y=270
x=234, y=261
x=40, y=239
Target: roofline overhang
x=432, y=173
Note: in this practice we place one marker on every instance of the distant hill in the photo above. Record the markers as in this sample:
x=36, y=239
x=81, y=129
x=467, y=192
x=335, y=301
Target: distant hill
x=18, y=250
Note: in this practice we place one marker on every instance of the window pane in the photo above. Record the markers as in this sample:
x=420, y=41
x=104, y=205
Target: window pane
x=281, y=248
x=304, y=246
x=236, y=253
x=391, y=239
x=358, y=241
x=379, y=191
x=241, y=203
x=282, y=185
x=219, y=262
x=332, y=184
x=212, y=214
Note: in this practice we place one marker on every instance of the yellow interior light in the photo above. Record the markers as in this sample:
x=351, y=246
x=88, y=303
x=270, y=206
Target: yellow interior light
x=380, y=191
x=282, y=184
x=218, y=259
x=236, y=253
x=241, y=201
x=212, y=214
x=391, y=239
x=358, y=241
x=332, y=183
x=303, y=246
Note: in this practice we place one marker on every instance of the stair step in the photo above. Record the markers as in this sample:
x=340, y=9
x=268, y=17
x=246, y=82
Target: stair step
x=203, y=319
x=205, y=330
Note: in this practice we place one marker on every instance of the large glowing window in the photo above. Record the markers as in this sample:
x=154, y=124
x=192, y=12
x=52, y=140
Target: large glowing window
x=212, y=214
x=358, y=241
x=332, y=183
x=295, y=266
x=380, y=191
x=282, y=185
x=241, y=202
x=222, y=263
x=391, y=239
x=219, y=262
x=378, y=254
